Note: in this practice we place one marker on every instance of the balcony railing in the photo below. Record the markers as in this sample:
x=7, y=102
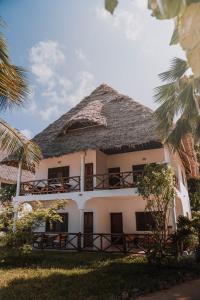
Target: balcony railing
x=72, y=184
x=109, y=181
x=51, y=186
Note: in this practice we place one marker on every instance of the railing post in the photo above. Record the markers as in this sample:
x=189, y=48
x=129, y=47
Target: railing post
x=79, y=241
x=124, y=243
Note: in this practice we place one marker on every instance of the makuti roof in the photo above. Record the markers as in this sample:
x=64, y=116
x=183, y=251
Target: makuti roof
x=105, y=120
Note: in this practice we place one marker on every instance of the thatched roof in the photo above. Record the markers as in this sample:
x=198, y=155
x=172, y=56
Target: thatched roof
x=105, y=120
x=111, y=122
x=9, y=174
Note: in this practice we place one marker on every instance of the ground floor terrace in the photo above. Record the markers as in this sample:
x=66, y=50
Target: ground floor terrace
x=107, y=223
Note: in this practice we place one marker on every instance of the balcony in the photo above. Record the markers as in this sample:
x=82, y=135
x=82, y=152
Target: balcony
x=73, y=184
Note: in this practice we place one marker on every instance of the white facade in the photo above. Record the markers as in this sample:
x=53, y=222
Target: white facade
x=102, y=203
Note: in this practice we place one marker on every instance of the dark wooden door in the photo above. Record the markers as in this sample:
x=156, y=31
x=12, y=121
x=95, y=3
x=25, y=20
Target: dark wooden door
x=114, y=178
x=116, y=227
x=88, y=229
x=89, y=177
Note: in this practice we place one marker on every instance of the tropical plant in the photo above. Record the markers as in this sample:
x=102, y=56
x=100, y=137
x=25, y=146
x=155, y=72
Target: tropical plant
x=18, y=233
x=179, y=101
x=187, y=236
x=7, y=192
x=194, y=194
x=157, y=189
x=13, y=92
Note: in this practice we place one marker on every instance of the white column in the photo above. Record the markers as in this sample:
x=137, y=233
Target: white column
x=82, y=172
x=19, y=178
x=81, y=220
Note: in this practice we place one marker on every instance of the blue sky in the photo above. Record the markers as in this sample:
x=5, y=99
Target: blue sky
x=69, y=47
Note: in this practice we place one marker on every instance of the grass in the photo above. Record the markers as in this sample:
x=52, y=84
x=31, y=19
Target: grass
x=79, y=276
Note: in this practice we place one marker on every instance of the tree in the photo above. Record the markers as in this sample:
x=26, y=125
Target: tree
x=19, y=232
x=13, y=92
x=178, y=98
x=194, y=194
x=187, y=235
x=157, y=189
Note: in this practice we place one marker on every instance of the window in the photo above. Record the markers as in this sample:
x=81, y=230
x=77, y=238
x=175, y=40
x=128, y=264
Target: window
x=144, y=221
x=58, y=226
x=58, y=172
x=138, y=171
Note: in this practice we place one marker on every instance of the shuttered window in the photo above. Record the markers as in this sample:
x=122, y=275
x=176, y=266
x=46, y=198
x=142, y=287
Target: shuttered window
x=144, y=221
x=58, y=226
x=58, y=172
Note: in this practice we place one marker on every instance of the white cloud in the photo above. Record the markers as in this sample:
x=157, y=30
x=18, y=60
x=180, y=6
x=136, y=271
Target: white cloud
x=85, y=86
x=51, y=111
x=45, y=57
x=48, y=65
x=82, y=57
x=130, y=23
x=27, y=133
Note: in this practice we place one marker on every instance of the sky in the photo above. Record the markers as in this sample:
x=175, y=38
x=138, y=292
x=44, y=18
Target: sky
x=69, y=47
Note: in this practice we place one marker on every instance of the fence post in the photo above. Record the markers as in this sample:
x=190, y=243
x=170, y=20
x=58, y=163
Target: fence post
x=124, y=243
x=79, y=241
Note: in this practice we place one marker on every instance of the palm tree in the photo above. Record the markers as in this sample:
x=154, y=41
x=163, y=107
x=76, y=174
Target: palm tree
x=179, y=99
x=13, y=92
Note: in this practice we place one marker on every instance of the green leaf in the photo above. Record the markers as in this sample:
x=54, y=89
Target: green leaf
x=110, y=5
x=177, y=69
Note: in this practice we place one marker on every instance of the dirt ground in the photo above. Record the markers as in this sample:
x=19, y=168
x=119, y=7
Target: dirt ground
x=184, y=291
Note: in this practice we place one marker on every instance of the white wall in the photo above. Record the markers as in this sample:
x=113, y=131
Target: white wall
x=126, y=160
x=72, y=160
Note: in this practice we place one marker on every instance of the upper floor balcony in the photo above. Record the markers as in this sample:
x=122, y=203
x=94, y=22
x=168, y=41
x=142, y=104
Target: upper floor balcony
x=118, y=180
x=109, y=181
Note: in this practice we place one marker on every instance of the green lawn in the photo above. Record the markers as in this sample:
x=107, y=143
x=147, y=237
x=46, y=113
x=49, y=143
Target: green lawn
x=78, y=276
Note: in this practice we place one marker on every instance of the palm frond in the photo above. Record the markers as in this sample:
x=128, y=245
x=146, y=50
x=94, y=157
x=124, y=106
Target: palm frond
x=13, y=86
x=15, y=143
x=188, y=104
x=177, y=69
x=165, y=92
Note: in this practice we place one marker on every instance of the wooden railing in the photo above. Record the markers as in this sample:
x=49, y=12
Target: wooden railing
x=51, y=186
x=119, y=180
x=112, y=181
x=98, y=242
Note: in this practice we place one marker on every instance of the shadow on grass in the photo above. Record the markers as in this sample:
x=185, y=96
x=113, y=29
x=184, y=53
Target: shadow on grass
x=77, y=276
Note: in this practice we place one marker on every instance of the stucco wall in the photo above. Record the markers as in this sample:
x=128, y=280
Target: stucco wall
x=72, y=160
x=126, y=160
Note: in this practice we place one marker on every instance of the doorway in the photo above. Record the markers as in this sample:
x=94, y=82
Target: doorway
x=89, y=177
x=116, y=227
x=88, y=229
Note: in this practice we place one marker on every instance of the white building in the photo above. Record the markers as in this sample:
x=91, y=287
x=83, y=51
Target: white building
x=92, y=156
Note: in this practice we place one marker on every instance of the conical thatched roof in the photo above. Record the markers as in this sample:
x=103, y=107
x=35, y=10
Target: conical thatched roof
x=105, y=120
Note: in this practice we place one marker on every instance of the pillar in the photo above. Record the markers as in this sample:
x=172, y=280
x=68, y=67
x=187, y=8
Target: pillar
x=82, y=172
x=19, y=178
